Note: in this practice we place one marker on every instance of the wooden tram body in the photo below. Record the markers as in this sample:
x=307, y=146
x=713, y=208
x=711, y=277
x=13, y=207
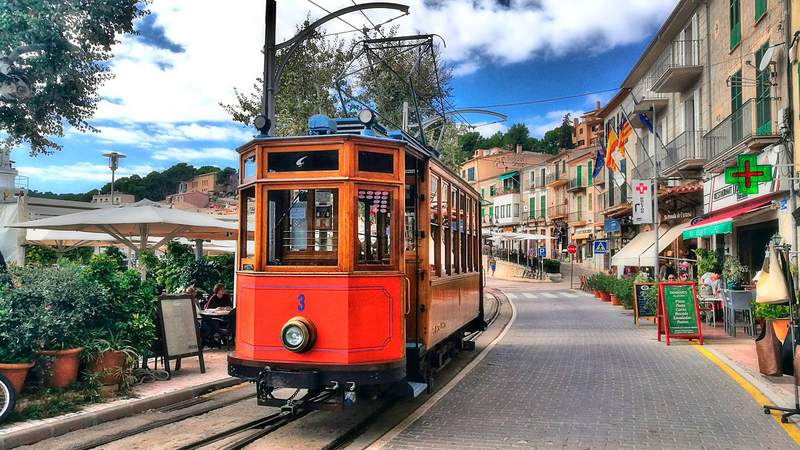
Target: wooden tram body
x=369, y=245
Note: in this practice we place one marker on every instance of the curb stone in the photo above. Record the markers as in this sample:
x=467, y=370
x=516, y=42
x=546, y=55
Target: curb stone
x=78, y=421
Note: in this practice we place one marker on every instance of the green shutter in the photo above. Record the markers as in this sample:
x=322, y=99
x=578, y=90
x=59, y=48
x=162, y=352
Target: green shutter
x=482, y=211
x=737, y=130
x=761, y=9
x=735, y=23
x=763, y=104
x=580, y=175
x=491, y=211
x=483, y=193
x=531, y=208
x=589, y=173
x=543, y=205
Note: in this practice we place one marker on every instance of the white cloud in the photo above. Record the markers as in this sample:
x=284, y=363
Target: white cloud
x=223, y=45
x=82, y=171
x=145, y=135
x=539, y=125
x=192, y=154
x=489, y=128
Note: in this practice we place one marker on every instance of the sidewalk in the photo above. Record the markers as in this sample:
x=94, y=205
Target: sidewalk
x=513, y=272
x=185, y=384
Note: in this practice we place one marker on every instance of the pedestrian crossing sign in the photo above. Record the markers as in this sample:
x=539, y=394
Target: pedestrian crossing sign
x=600, y=247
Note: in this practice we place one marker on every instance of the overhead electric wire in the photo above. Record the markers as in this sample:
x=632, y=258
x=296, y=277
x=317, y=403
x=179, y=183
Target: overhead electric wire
x=374, y=27
x=339, y=18
x=542, y=100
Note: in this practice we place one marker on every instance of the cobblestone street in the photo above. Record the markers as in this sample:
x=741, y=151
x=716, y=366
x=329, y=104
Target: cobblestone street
x=573, y=372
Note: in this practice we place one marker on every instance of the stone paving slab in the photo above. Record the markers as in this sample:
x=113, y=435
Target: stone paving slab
x=573, y=372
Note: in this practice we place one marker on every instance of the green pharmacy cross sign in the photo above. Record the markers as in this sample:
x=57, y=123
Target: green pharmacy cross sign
x=748, y=173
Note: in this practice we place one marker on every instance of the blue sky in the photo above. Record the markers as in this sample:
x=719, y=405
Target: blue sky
x=162, y=106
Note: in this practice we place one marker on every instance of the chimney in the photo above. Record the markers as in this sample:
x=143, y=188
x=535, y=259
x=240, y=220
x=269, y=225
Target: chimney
x=519, y=148
x=597, y=105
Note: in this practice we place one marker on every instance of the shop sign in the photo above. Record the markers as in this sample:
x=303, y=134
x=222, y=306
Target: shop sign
x=719, y=195
x=679, y=312
x=611, y=226
x=642, y=202
x=641, y=309
x=748, y=173
x=583, y=231
x=677, y=215
x=721, y=227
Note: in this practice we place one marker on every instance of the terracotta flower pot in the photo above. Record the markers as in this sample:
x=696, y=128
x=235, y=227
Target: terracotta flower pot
x=65, y=366
x=615, y=300
x=596, y=294
x=16, y=374
x=605, y=296
x=109, y=366
x=781, y=327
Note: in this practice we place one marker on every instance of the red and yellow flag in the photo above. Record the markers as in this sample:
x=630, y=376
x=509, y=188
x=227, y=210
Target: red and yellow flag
x=624, y=133
x=613, y=142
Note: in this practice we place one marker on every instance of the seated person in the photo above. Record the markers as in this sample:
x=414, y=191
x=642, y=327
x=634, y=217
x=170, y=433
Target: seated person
x=219, y=299
x=711, y=280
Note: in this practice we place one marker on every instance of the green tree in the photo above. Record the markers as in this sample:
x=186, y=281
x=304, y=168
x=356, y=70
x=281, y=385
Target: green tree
x=565, y=133
x=469, y=142
x=495, y=140
x=304, y=88
x=69, y=45
x=517, y=135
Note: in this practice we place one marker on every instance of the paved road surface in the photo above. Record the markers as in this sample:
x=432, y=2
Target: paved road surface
x=573, y=372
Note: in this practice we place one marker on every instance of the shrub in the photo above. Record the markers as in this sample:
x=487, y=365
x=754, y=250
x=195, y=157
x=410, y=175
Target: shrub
x=763, y=311
x=17, y=331
x=552, y=266
x=623, y=289
x=62, y=303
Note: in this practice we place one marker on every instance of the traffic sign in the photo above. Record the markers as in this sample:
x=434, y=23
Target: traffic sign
x=572, y=249
x=600, y=247
x=542, y=252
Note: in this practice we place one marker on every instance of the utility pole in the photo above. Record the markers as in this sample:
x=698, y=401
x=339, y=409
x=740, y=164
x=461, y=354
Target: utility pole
x=655, y=193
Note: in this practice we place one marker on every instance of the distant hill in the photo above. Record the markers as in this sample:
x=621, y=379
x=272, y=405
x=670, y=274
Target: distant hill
x=154, y=186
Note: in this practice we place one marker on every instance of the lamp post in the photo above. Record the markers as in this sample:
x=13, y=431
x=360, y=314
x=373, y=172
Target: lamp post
x=113, y=164
x=273, y=66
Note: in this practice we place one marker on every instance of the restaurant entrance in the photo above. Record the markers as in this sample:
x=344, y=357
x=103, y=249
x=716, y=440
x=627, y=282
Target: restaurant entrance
x=752, y=241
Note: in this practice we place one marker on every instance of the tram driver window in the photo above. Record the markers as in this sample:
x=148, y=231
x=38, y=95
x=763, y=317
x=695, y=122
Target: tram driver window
x=374, y=227
x=248, y=224
x=303, y=227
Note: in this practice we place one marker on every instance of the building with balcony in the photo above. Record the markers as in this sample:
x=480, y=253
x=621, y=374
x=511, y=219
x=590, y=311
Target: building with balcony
x=699, y=84
x=587, y=130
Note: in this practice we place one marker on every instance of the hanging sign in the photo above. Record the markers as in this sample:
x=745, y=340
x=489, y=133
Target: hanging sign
x=642, y=202
x=641, y=310
x=681, y=316
x=748, y=173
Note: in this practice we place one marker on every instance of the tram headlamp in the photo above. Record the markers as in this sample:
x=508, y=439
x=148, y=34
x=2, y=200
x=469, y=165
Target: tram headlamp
x=366, y=117
x=298, y=335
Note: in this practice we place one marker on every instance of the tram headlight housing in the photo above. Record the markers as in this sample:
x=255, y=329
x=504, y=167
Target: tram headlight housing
x=298, y=335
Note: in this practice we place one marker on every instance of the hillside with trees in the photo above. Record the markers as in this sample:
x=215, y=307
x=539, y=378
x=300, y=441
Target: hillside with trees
x=153, y=186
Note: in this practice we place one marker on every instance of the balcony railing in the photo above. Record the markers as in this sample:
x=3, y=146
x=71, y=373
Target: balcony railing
x=599, y=217
x=557, y=211
x=577, y=216
x=686, y=151
x=678, y=67
x=753, y=120
x=553, y=178
x=576, y=184
x=536, y=215
x=646, y=98
x=503, y=191
x=600, y=178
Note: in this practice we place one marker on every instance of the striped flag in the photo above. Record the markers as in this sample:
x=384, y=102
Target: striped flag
x=611, y=147
x=624, y=133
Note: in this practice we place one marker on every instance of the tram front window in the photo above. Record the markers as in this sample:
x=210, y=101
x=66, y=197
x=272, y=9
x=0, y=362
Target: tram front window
x=374, y=227
x=303, y=226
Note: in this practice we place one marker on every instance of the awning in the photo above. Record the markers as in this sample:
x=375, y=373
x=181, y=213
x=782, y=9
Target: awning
x=647, y=258
x=582, y=236
x=721, y=223
x=507, y=175
x=629, y=254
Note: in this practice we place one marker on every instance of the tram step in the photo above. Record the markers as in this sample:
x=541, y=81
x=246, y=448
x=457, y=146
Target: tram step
x=416, y=389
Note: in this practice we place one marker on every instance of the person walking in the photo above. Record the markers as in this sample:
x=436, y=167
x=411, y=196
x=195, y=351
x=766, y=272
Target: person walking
x=492, y=264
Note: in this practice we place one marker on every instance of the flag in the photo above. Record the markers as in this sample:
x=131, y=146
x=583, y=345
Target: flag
x=599, y=160
x=624, y=133
x=646, y=122
x=610, y=148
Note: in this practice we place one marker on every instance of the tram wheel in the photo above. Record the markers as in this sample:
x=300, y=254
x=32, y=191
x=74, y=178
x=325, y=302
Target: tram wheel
x=8, y=397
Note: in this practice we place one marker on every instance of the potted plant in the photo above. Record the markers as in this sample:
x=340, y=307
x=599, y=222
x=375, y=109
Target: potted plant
x=16, y=334
x=625, y=292
x=592, y=281
x=733, y=271
x=62, y=302
x=552, y=268
x=775, y=315
x=110, y=358
x=604, y=286
x=614, y=290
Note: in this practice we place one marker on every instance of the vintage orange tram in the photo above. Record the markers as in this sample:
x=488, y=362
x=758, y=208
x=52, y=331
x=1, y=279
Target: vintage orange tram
x=359, y=260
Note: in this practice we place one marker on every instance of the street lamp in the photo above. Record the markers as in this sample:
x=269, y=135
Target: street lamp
x=113, y=164
x=274, y=67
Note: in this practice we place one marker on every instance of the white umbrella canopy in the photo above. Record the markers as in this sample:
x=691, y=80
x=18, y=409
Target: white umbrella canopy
x=142, y=219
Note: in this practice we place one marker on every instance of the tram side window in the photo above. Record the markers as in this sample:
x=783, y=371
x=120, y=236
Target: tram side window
x=248, y=223
x=462, y=231
x=411, y=218
x=446, y=259
x=374, y=227
x=435, y=241
x=303, y=227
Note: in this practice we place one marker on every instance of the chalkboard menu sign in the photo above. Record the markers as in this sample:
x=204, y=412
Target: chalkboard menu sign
x=640, y=307
x=681, y=314
x=179, y=333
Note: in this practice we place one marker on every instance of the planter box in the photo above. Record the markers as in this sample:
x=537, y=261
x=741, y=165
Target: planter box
x=554, y=277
